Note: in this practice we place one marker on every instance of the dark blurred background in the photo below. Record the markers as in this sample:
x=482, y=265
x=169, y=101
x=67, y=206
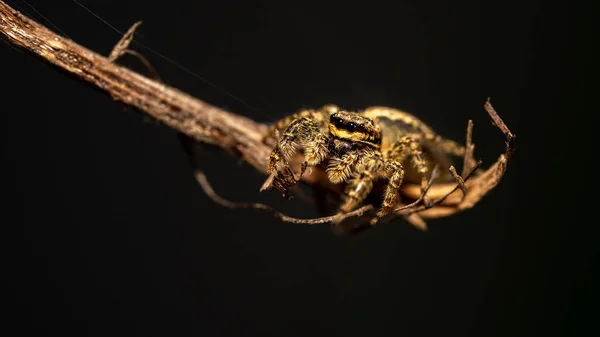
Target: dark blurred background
x=107, y=232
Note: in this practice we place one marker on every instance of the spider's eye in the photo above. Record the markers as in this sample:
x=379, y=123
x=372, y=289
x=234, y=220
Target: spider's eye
x=339, y=122
x=361, y=128
x=351, y=127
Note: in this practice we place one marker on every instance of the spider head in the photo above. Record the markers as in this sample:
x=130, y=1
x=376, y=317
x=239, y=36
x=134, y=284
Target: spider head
x=354, y=127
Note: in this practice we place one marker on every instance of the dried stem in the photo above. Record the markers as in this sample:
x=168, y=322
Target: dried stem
x=206, y=123
x=460, y=181
x=121, y=47
x=469, y=162
x=207, y=188
x=460, y=184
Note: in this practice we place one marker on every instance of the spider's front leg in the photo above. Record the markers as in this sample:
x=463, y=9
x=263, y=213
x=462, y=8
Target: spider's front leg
x=395, y=173
x=408, y=146
x=340, y=169
x=361, y=184
x=302, y=132
x=320, y=117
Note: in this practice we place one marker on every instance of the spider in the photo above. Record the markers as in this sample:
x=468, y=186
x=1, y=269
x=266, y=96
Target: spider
x=359, y=148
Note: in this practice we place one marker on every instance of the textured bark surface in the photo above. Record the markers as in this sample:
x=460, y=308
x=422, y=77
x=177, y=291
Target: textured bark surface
x=174, y=108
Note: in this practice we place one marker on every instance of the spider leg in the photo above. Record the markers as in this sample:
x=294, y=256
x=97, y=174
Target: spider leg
x=320, y=117
x=340, y=169
x=447, y=145
x=408, y=145
x=360, y=185
x=302, y=132
x=395, y=172
x=283, y=123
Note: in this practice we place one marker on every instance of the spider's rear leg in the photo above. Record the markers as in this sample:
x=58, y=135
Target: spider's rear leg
x=409, y=145
x=302, y=132
x=447, y=145
x=320, y=117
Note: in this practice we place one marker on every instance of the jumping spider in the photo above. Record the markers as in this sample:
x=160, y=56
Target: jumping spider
x=361, y=148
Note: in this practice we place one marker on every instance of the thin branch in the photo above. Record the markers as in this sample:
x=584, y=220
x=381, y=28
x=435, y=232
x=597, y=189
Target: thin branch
x=469, y=161
x=417, y=206
x=496, y=120
x=460, y=184
x=434, y=175
x=121, y=47
x=460, y=181
x=207, y=188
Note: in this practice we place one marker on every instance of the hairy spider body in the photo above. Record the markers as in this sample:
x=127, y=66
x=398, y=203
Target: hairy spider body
x=361, y=148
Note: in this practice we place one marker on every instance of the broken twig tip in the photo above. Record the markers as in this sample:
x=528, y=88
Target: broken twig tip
x=121, y=46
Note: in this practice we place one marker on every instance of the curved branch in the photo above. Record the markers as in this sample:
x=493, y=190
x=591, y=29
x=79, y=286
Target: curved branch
x=207, y=123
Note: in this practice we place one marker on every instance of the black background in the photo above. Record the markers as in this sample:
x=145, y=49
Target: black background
x=107, y=232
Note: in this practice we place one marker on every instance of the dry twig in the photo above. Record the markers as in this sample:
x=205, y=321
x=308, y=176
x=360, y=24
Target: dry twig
x=205, y=184
x=209, y=124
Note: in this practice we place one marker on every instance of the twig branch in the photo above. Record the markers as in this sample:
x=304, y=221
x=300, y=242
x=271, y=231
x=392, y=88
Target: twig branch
x=205, y=184
x=468, y=162
x=209, y=124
